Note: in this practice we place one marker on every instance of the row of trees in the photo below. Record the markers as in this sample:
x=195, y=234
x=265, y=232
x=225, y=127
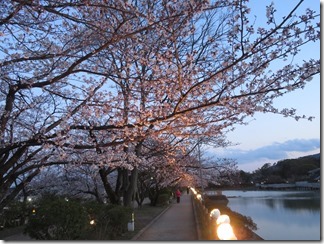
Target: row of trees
x=84, y=181
x=124, y=88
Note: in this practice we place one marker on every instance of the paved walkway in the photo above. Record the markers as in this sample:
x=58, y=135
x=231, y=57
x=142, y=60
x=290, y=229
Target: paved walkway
x=18, y=237
x=177, y=223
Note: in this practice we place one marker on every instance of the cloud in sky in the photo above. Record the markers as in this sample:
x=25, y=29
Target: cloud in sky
x=250, y=160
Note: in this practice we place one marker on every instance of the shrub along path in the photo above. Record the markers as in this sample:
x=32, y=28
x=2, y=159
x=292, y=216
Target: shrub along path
x=143, y=217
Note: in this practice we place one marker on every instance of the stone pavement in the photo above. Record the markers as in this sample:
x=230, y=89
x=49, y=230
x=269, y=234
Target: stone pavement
x=177, y=223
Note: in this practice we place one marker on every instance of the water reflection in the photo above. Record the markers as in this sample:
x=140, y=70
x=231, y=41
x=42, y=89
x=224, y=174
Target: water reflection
x=294, y=204
x=280, y=215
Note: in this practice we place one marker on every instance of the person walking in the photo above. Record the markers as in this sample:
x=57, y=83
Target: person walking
x=178, y=194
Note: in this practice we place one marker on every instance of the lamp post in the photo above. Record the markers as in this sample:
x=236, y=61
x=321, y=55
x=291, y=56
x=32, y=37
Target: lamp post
x=200, y=166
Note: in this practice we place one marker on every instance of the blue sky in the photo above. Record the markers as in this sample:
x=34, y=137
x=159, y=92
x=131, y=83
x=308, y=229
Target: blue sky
x=269, y=138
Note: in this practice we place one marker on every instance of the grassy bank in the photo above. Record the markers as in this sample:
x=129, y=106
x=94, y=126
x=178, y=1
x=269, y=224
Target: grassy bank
x=142, y=217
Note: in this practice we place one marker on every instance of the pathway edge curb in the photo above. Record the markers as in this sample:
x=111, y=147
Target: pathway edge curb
x=134, y=238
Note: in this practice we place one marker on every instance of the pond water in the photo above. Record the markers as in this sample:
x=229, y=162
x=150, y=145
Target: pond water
x=280, y=215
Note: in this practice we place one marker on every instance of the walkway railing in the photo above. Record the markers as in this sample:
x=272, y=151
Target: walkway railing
x=211, y=225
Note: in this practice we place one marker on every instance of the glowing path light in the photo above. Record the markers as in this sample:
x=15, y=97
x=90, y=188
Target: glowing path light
x=199, y=197
x=193, y=190
x=214, y=214
x=225, y=232
x=223, y=219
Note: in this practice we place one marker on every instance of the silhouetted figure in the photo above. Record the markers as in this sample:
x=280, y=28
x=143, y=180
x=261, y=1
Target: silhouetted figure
x=178, y=194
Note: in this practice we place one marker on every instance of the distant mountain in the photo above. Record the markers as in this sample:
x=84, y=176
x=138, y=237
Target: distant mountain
x=289, y=170
x=316, y=156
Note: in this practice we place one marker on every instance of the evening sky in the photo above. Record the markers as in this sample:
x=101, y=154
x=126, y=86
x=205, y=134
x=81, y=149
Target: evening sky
x=269, y=138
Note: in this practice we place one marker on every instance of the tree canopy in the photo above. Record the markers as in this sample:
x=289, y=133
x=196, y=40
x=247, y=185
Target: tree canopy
x=101, y=82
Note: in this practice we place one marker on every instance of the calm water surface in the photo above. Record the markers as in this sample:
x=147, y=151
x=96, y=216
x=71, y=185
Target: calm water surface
x=280, y=215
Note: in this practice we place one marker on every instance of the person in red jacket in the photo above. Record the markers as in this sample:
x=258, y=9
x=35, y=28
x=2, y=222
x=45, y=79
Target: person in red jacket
x=178, y=194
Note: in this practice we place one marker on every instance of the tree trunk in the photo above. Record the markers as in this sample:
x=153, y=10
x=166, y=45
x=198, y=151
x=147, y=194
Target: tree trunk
x=6, y=199
x=139, y=199
x=112, y=196
x=130, y=189
x=129, y=193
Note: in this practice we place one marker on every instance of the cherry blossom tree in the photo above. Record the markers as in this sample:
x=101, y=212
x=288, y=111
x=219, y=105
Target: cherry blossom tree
x=96, y=79
x=48, y=50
